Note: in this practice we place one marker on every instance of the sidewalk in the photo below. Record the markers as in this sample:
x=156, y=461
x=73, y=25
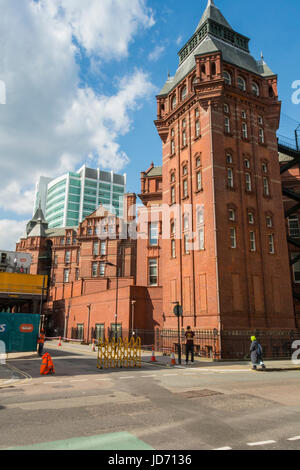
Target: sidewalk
x=271, y=365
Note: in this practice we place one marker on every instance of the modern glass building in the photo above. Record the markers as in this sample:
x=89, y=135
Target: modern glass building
x=74, y=196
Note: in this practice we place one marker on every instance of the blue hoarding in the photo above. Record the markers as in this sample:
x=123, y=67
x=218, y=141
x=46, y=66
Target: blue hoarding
x=19, y=331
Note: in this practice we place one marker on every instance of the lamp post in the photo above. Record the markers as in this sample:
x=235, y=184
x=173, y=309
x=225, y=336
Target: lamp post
x=88, y=328
x=117, y=297
x=133, y=302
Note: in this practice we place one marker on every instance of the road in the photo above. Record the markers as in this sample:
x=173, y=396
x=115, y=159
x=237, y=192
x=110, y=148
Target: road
x=154, y=407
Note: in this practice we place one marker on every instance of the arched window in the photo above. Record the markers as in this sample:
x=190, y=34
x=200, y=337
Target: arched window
x=255, y=89
x=183, y=93
x=173, y=102
x=241, y=83
x=227, y=78
x=203, y=69
x=213, y=69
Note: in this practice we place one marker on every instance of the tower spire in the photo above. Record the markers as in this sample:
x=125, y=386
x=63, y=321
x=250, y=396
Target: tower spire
x=211, y=3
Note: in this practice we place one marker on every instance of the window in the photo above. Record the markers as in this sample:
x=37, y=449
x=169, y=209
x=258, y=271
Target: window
x=185, y=188
x=68, y=241
x=90, y=231
x=62, y=241
x=294, y=229
x=226, y=108
x=78, y=256
x=99, y=331
x=76, y=274
x=251, y=218
x=227, y=77
x=186, y=245
x=229, y=178
x=252, y=242
x=197, y=128
x=260, y=120
x=198, y=162
x=247, y=163
x=271, y=244
x=269, y=221
x=94, y=269
x=173, y=228
x=184, y=141
x=266, y=187
x=173, y=195
x=185, y=170
x=261, y=136
x=102, y=269
x=152, y=266
x=233, y=238
x=183, y=93
x=173, y=102
x=153, y=234
x=201, y=238
x=186, y=223
x=241, y=84
x=66, y=275
x=244, y=115
x=172, y=177
x=227, y=125
x=199, y=180
x=172, y=133
x=200, y=215
x=232, y=215
x=296, y=267
x=248, y=182
x=172, y=147
x=103, y=248
x=229, y=159
x=244, y=131
x=173, y=248
x=68, y=257
x=255, y=89
x=264, y=168
x=197, y=113
x=95, y=248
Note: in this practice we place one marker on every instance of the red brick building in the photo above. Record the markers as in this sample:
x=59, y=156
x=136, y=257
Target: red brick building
x=211, y=231
x=217, y=118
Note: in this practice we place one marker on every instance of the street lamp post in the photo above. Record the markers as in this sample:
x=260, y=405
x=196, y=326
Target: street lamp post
x=117, y=297
x=133, y=302
x=88, y=328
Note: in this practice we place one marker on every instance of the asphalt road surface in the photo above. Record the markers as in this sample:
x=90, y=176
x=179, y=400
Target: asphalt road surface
x=154, y=407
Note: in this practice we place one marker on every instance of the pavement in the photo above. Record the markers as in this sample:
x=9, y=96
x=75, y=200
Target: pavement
x=10, y=374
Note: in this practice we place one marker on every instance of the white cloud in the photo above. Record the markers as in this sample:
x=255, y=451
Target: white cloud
x=49, y=124
x=10, y=232
x=156, y=53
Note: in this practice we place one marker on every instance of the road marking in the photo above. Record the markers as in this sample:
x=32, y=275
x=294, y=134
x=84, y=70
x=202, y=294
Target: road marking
x=79, y=380
x=168, y=375
x=262, y=443
x=46, y=383
x=146, y=376
x=296, y=438
x=190, y=373
x=124, y=378
x=224, y=448
x=98, y=380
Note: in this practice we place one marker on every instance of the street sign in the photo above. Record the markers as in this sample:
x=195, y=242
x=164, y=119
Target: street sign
x=178, y=311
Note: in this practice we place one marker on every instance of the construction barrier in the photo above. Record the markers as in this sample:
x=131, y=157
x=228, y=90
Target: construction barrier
x=121, y=353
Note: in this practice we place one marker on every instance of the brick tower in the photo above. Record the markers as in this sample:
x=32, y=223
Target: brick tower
x=217, y=118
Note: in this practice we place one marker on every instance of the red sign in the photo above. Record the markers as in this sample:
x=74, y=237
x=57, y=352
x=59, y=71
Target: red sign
x=26, y=328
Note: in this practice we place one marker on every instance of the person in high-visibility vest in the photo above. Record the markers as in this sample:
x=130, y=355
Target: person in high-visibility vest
x=41, y=342
x=47, y=366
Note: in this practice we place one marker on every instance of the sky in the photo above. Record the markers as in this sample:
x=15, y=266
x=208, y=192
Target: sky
x=81, y=79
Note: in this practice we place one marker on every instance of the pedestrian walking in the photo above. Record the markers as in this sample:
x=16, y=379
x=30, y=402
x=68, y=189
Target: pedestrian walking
x=189, y=345
x=41, y=342
x=256, y=353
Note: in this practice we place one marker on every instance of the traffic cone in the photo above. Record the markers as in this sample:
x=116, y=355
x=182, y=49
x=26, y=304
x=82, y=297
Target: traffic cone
x=153, y=359
x=173, y=361
x=93, y=346
x=59, y=344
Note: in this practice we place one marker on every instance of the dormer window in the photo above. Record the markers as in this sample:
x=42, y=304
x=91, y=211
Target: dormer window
x=227, y=78
x=173, y=102
x=183, y=93
x=241, y=83
x=255, y=89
